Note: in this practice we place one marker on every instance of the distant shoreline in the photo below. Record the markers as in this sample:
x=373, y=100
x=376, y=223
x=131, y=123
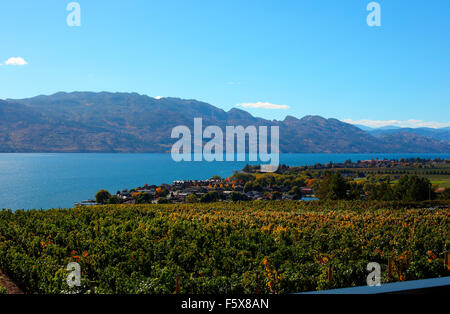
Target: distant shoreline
x=58, y=180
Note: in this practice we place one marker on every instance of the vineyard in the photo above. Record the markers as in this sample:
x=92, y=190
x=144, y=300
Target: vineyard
x=247, y=247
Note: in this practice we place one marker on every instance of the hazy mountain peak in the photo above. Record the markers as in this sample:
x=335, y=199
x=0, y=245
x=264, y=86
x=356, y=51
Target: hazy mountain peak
x=363, y=127
x=239, y=113
x=290, y=119
x=314, y=118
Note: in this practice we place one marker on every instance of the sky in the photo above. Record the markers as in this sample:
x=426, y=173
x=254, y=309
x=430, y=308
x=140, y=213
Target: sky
x=271, y=58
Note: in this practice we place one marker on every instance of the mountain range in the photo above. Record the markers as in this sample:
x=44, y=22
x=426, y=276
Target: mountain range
x=130, y=122
x=437, y=134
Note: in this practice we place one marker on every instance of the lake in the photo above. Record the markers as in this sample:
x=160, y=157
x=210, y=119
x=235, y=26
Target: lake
x=59, y=180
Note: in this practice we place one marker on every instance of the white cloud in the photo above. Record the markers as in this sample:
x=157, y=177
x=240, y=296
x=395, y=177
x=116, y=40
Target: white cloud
x=16, y=61
x=412, y=123
x=263, y=105
x=159, y=97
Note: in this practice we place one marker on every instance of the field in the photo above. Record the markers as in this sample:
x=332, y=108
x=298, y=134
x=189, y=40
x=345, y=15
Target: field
x=251, y=247
x=442, y=181
x=433, y=174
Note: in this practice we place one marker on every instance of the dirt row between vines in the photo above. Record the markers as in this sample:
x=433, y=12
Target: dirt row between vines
x=10, y=286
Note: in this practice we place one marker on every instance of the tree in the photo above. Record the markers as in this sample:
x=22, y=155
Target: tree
x=236, y=196
x=381, y=191
x=333, y=187
x=163, y=200
x=114, y=200
x=296, y=192
x=413, y=188
x=252, y=169
x=209, y=197
x=299, y=181
x=265, y=181
x=248, y=187
x=244, y=177
x=144, y=198
x=216, y=177
x=355, y=191
x=191, y=198
x=102, y=197
x=159, y=191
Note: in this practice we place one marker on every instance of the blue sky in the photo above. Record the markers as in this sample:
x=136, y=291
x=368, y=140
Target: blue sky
x=309, y=57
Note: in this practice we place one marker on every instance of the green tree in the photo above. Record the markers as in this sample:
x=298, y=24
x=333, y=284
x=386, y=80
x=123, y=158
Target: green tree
x=247, y=168
x=333, y=187
x=102, y=197
x=245, y=177
x=236, y=196
x=209, y=197
x=163, y=200
x=248, y=187
x=413, y=188
x=296, y=192
x=355, y=191
x=144, y=198
x=191, y=198
x=381, y=191
x=114, y=200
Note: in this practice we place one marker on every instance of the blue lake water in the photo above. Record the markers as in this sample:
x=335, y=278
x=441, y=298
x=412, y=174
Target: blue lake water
x=58, y=180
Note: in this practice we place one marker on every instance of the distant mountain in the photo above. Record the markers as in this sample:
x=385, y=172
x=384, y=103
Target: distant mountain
x=129, y=122
x=402, y=141
x=389, y=127
x=382, y=128
x=364, y=127
x=314, y=134
x=438, y=134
